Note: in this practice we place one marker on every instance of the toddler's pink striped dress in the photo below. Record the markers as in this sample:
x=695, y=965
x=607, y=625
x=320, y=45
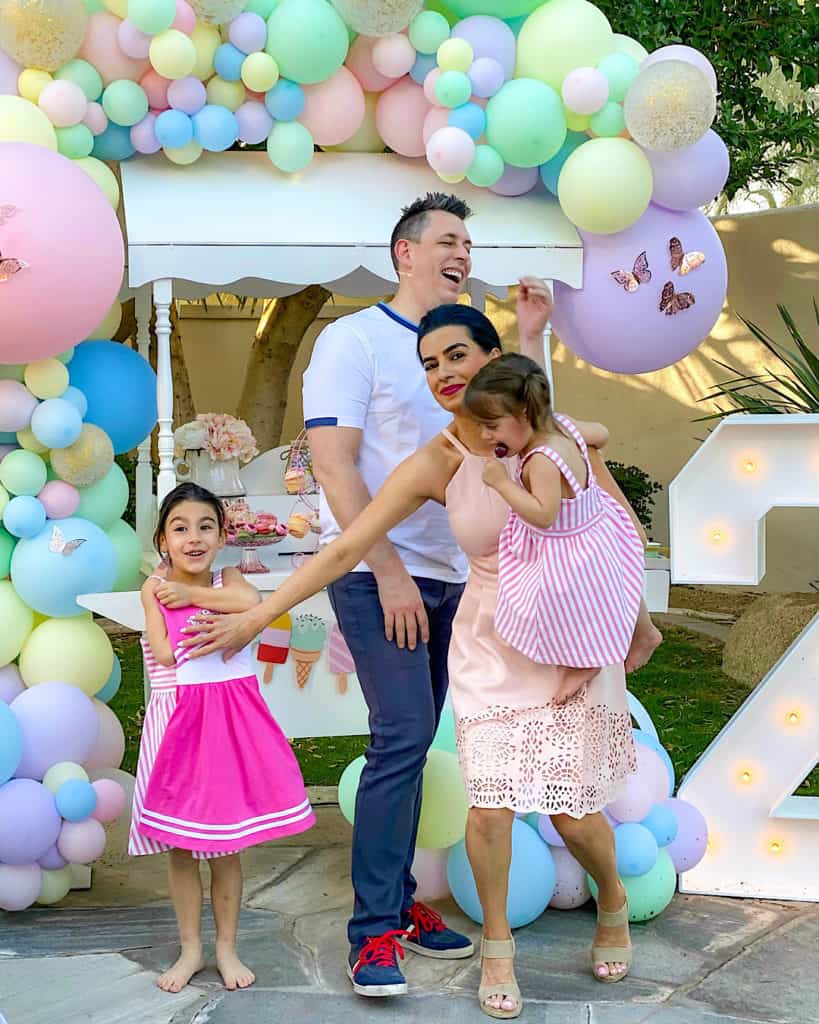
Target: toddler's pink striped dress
x=570, y=594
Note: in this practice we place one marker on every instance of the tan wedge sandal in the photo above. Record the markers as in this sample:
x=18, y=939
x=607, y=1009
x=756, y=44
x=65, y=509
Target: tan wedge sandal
x=602, y=955
x=498, y=949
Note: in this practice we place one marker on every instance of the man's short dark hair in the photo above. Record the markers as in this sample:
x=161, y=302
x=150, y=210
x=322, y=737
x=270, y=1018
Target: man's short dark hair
x=414, y=218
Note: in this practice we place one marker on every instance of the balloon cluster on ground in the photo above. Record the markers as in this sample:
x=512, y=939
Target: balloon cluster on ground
x=550, y=98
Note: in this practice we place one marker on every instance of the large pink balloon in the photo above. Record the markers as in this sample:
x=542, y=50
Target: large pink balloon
x=627, y=331
x=101, y=48
x=360, y=62
x=68, y=236
x=429, y=869
x=334, y=109
x=19, y=885
x=109, y=748
x=400, y=116
x=571, y=881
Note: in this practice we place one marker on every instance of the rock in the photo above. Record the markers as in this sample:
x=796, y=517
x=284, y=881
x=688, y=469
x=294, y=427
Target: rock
x=763, y=633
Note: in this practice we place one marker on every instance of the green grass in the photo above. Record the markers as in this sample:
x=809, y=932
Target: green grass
x=683, y=688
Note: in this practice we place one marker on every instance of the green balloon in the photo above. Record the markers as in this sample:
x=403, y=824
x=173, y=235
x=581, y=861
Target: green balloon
x=23, y=472
x=605, y=185
x=12, y=371
x=348, y=787
x=620, y=71
x=443, y=807
x=428, y=30
x=525, y=122
x=562, y=35
x=92, y=6
x=264, y=8
x=307, y=39
x=441, y=8
x=83, y=74
x=128, y=550
x=445, y=733
x=290, y=146
x=75, y=142
x=105, y=501
x=152, y=16
x=453, y=89
x=7, y=543
x=608, y=121
x=486, y=168
x=498, y=8
x=648, y=894
x=125, y=102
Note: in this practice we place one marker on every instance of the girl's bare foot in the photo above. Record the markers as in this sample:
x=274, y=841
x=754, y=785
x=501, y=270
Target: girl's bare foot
x=190, y=962
x=234, y=973
x=647, y=638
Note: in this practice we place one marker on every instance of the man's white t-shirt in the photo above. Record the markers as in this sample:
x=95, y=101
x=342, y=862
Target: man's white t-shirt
x=365, y=373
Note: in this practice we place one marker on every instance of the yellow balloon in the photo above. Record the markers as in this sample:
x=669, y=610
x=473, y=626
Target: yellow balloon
x=366, y=139
x=17, y=619
x=184, y=155
x=630, y=47
x=206, y=41
x=42, y=33
x=27, y=440
x=54, y=885
x=72, y=650
x=605, y=185
x=46, y=378
x=21, y=121
x=455, y=55
x=110, y=325
x=560, y=36
x=451, y=179
x=31, y=83
x=61, y=772
x=102, y=176
x=226, y=94
x=172, y=54
x=118, y=7
x=260, y=72
x=577, y=122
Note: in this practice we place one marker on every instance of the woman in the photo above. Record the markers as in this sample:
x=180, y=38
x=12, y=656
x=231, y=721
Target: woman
x=523, y=745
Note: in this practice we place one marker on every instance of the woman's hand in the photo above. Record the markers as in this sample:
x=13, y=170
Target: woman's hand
x=494, y=473
x=229, y=633
x=173, y=595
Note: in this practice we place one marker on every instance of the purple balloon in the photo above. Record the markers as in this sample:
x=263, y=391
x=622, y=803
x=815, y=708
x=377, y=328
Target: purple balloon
x=9, y=73
x=143, y=136
x=627, y=331
x=6, y=448
x=187, y=94
x=687, y=178
x=52, y=860
x=19, y=885
x=489, y=37
x=688, y=848
x=29, y=821
x=255, y=124
x=516, y=181
x=59, y=723
x=548, y=833
x=486, y=75
x=11, y=683
x=248, y=32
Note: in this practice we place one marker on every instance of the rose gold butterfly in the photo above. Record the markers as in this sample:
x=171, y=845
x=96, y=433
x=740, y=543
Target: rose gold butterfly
x=10, y=266
x=683, y=261
x=639, y=275
x=60, y=546
x=7, y=211
x=672, y=302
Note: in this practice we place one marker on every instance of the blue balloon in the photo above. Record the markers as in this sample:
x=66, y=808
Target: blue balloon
x=424, y=63
x=531, y=878
x=470, y=117
x=445, y=733
x=655, y=745
x=285, y=101
x=228, y=61
x=112, y=685
x=113, y=144
x=636, y=849
x=11, y=743
x=215, y=128
x=550, y=171
x=120, y=387
x=56, y=423
x=77, y=399
x=49, y=581
x=661, y=822
x=173, y=129
x=76, y=799
x=24, y=517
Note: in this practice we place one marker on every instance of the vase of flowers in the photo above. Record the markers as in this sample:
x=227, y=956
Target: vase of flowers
x=212, y=448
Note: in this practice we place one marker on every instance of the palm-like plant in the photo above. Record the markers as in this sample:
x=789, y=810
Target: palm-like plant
x=794, y=389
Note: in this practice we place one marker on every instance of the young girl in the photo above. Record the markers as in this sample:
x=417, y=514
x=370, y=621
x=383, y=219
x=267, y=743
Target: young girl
x=570, y=560
x=215, y=772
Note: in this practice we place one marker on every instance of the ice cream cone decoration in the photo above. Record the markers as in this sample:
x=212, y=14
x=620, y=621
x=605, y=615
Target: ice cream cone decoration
x=341, y=661
x=298, y=525
x=306, y=642
x=274, y=643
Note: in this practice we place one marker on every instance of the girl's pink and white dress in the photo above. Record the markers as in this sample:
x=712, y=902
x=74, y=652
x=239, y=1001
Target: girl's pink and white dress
x=570, y=594
x=215, y=773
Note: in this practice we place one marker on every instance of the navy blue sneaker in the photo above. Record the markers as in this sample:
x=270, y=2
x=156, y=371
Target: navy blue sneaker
x=427, y=934
x=373, y=968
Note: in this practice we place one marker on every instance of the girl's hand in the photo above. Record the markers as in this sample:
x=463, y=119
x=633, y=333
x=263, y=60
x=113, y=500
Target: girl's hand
x=173, y=595
x=494, y=473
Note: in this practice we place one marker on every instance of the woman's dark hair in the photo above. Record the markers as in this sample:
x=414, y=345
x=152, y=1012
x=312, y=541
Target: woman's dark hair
x=478, y=326
x=510, y=385
x=187, y=492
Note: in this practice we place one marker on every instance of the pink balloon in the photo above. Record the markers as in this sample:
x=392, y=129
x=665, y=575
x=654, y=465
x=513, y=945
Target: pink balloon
x=571, y=882
x=156, y=89
x=652, y=772
x=16, y=402
x=11, y=683
x=143, y=135
x=360, y=62
x=109, y=748
x=63, y=103
x=59, y=499
x=450, y=151
x=429, y=869
x=80, y=842
x=101, y=48
x=9, y=73
x=634, y=802
x=429, y=84
x=516, y=181
x=393, y=56
x=19, y=885
x=400, y=115
x=185, y=20
x=334, y=109
x=96, y=120
x=132, y=42
x=111, y=799
x=57, y=299
x=437, y=118
x=255, y=123
x=187, y=94
x=585, y=90
x=685, y=53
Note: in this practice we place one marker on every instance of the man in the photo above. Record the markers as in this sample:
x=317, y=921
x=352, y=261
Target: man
x=367, y=406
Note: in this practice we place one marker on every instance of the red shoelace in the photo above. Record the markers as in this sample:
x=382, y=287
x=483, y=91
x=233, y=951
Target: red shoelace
x=381, y=950
x=425, y=919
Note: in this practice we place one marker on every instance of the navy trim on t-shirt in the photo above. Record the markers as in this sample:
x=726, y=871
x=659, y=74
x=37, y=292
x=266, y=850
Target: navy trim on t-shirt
x=321, y=421
x=397, y=317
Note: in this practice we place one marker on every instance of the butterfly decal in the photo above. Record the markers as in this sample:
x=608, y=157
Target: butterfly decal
x=672, y=302
x=640, y=274
x=683, y=261
x=60, y=546
x=7, y=211
x=10, y=266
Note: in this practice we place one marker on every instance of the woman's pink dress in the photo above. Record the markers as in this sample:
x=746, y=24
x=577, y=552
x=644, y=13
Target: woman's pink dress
x=519, y=749
x=215, y=773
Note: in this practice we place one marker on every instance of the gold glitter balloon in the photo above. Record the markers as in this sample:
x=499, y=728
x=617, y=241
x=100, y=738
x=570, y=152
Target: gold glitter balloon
x=217, y=12
x=669, y=106
x=377, y=17
x=42, y=33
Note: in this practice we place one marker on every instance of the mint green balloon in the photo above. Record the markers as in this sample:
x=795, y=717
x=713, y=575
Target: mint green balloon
x=526, y=122
x=441, y=8
x=445, y=733
x=264, y=8
x=75, y=142
x=125, y=102
x=620, y=71
x=7, y=543
x=104, y=502
x=128, y=550
x=83, y=74
x=290, y=146
x=428, y=30
x=152, y=16
x=498, y=8
x=307, y=39
x=443, y=806
x=648, y=894
x=348, y=787
x=609, y=120
x=23, y=472
x=92, y=6
x=486, y=168
x=453, y=89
